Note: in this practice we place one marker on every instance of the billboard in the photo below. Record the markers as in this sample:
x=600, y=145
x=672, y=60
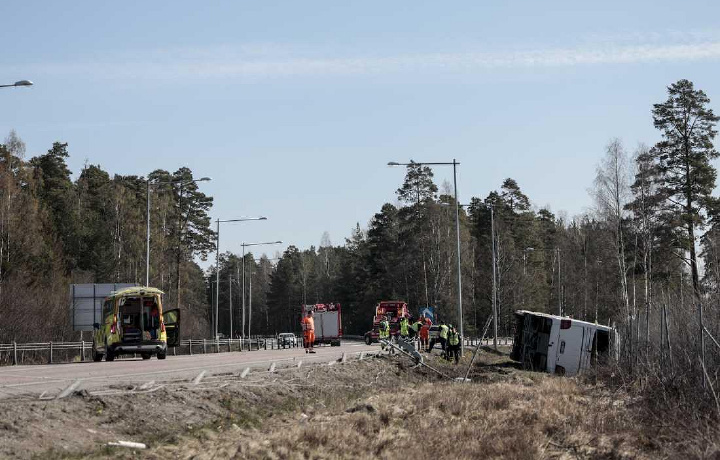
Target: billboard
x=86, y=303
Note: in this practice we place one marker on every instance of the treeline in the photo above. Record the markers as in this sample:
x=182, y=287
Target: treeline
x=645, y=258
x=55, y=231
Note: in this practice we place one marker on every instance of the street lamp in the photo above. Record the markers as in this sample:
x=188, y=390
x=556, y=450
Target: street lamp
x=217, y=265
x=148, y=183
x=18, y=83
x=244, y=245
x=457, y=231
x=494, y=275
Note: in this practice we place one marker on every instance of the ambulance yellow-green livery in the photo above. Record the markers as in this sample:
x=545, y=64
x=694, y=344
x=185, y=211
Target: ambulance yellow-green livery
x=133, y=321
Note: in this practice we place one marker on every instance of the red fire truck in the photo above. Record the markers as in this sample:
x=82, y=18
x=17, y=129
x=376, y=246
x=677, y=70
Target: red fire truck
x=328, y=322
x=395, y=309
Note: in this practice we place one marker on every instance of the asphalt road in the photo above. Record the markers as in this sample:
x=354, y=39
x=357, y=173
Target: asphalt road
x=51, y=379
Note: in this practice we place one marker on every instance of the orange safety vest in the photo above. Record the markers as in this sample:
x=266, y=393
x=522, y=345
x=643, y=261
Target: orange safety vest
x=308, y=324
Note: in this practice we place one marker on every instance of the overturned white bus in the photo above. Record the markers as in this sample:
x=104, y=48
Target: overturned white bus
x=559, y=345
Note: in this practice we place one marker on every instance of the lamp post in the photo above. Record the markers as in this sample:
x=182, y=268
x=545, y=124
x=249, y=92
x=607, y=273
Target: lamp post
x=148, y=183
x=244, y=245
x=457, y=232
x=217, y=265
x=230, y=281
x=494, y=275
x=18, y=83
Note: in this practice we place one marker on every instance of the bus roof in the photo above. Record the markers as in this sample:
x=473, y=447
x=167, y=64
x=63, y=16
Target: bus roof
x=136, y=291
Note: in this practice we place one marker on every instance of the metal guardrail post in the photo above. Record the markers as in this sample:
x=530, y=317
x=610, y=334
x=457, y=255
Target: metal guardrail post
x=15, y=361
x=204, y=347
x=174, y=352
x=82, y=351
x=266, y=344
x=51, y=352
x=190, y=347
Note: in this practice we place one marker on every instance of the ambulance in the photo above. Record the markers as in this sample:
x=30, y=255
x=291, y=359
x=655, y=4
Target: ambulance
x=133, y=322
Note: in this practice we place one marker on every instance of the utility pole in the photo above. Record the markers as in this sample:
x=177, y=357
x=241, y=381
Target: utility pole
x=244, y=245
x=454, y=164
x=459, y=265
x=494, y=275
x=250, y=298
x=217, y=280
x=217, y=266
x=243, y=291
x=560, y=309
x=231, y=306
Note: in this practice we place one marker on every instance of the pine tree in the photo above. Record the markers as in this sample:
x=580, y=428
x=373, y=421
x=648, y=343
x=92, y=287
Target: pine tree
x=57, y=194
x=95, y=229
x=190, y=234
x=418, y=186
x=685, y=177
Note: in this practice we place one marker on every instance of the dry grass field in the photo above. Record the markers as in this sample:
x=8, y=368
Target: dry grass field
x=380, y=408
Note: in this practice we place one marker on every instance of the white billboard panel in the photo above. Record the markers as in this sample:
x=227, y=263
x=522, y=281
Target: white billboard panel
x=86, y=302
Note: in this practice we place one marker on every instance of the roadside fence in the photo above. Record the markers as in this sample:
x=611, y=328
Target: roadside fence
x=64, y=352
x=57, y=352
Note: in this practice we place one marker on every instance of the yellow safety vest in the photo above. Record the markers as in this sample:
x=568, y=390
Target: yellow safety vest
x=404, y=326
x=454, y=338
x=444, y=331
x=384, y=329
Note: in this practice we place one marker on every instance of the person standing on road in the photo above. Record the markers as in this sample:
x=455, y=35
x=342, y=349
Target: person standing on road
x=443, y=335
x=308, y=327
x=384, y=332
x=404, y=327
x=424, y=334
x=415, y=328
x=453, y=347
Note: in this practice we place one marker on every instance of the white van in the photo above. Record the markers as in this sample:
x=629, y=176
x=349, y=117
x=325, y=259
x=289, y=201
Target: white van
x=558, y=345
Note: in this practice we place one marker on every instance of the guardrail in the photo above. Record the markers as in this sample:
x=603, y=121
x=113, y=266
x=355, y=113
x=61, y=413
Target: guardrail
x=13, y=349
x=50, y=352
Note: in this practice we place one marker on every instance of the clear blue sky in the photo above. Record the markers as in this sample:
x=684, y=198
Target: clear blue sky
x=295, y=108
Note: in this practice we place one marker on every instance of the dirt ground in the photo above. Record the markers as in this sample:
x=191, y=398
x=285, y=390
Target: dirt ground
x=376, y=408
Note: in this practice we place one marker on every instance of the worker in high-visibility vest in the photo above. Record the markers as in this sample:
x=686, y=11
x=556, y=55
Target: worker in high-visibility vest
x=404, y=326
x=384, y=331
x=415, y=328
x=443, y=335
x=453, y=347
x=308, y=327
